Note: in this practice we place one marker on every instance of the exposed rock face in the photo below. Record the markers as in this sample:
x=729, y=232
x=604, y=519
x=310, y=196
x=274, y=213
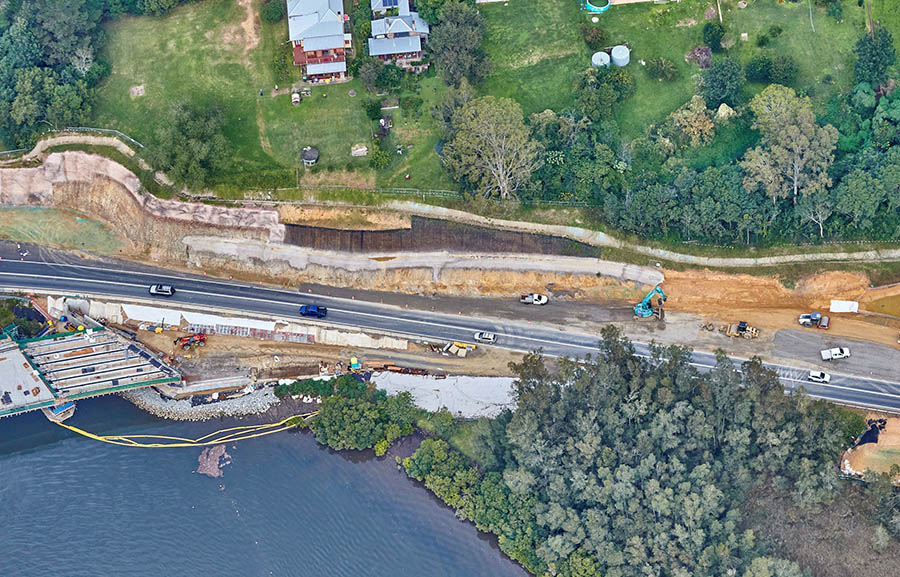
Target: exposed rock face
x=724, y=112
x=211, y=461
x=106, y=190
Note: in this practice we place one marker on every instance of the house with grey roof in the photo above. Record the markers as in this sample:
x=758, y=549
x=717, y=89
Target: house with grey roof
x=399, y=38
x=382, y=6
x=316, y=29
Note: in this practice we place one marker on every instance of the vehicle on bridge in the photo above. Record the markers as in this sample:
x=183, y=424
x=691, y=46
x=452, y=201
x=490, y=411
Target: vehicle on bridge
x=485, y=337
x=162, y=290
x=313, y=311
x=819, y=377
x=534, y=299
x=835, y=353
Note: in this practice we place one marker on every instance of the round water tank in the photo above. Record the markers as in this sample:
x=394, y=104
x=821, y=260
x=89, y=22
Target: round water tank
x=620, y=55
x=600, y=59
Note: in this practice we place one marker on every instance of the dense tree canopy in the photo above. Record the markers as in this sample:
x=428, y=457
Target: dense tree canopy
x=190, y=145
x=621, y=466
x=875, y=54
x=492, y=148
x=795, y=152
x=455, y=44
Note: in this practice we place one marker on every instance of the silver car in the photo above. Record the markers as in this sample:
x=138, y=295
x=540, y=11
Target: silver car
x=162, y=290
x=485, y=337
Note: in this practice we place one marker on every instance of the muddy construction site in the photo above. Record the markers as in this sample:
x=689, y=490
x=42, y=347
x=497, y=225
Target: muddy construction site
x=388, y=251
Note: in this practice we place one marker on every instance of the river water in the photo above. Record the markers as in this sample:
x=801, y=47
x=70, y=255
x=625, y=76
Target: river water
x=73, y=506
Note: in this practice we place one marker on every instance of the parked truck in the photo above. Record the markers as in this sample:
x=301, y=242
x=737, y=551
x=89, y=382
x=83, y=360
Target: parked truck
x=814, y=320
x=809, y=320
x=835, y=353
x=533, y=299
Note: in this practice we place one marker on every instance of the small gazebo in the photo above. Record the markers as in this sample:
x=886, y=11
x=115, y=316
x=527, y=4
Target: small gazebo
x=310, y=156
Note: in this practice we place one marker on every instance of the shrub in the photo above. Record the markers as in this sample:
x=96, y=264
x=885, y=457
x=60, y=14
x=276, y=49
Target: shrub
x=373, y=109
x=282, y=62
x=621, y=81
x=774, y=31
x=723, y=82
x=411, y=105
x=273, y=11
x=594, y=36
x=784, y=70
x=712, y=35
x=759, y=68
x=378, y=157
x=836, y=10
x=662, y=69
x=763, y=40
x=692, y=124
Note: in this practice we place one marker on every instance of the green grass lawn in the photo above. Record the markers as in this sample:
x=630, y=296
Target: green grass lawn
x=330, y=119
x=421, y=132
x=200, y=53
x=536, y=50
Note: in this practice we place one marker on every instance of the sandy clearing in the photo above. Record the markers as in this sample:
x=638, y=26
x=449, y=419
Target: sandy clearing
x=878, y=456
x=342, y=218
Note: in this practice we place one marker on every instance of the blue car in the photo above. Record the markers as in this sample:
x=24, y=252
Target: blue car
x=313, y=311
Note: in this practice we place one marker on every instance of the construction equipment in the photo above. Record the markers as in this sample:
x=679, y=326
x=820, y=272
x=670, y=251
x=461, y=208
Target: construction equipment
x=645, y=308
x=741, y=329
x=191, y=341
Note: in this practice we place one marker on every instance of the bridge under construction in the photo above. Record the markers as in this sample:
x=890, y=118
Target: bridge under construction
x=53, y=371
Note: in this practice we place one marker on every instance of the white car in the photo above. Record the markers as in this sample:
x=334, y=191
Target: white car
x=485, y=337
x=162, y=290
x=835, y=353
x=534, y=299
x=819, y=377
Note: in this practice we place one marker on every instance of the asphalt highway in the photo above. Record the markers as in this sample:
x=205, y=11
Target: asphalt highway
x=53, y=271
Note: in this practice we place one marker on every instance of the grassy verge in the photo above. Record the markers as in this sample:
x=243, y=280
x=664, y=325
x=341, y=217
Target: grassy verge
x=58, y=228
x=145, y=176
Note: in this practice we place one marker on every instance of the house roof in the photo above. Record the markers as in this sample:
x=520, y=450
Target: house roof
x=400, y=25
x=324, y=42
x=315, y=18
x=387, y=46
x=381, y=5
x=326, y=68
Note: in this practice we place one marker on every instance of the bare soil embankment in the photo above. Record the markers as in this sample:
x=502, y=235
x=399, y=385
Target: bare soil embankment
x=766, y=303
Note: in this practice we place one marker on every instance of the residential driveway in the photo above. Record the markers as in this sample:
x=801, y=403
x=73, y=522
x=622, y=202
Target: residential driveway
x=867, y=359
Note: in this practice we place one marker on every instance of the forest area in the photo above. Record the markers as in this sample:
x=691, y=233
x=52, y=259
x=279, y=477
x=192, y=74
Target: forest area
x=623, y=466
x=52, y=59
